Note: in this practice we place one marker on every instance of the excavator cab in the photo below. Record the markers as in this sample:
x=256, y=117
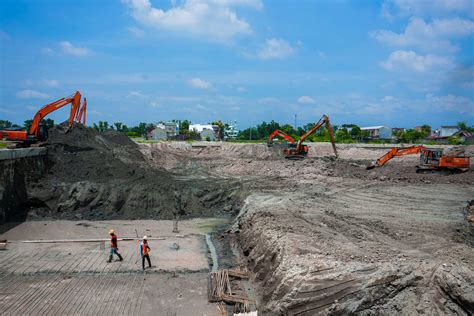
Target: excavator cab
x=430, y=157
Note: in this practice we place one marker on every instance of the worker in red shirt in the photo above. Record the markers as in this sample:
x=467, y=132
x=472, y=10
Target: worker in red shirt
x=144, y=252
x=113, y=246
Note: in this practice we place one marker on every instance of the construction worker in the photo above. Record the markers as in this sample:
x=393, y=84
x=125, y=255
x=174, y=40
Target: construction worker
x=144, y=252
x=113, y=246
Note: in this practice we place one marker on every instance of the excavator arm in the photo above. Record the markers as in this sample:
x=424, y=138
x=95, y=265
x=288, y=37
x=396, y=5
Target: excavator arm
x=277, y=132
x=75, y=101
x=395, y=152
x=36, y=132
x=323, y=121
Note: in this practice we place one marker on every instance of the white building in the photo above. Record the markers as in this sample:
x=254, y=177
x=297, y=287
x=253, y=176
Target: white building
x=204, y=129
x=446, y=131
x=378, y=132
x=231, y=132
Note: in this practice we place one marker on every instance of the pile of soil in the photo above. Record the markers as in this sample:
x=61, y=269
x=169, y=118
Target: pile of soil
x=92, y=175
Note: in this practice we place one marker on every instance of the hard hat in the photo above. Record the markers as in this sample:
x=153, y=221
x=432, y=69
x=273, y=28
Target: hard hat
x=111, y=232
x=145, y=238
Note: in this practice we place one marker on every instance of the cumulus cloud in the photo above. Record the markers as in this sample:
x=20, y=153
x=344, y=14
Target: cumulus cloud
x=453, y=103
x=401, y=60
x=428, y=36
x=32, y=94
x=391, y=8
x=306, y=100
x=199, y=84
x=208, y=20
x=70, y=49
x=275, y=48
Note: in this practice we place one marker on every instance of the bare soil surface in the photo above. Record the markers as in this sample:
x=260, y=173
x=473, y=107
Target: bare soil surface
x=328, y=236
x=318, y=236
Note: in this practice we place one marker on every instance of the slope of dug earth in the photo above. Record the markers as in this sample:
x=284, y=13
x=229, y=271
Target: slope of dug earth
x=92, y=175
x=358, y=252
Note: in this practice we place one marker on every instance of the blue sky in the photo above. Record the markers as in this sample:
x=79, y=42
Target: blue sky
x=397, y=62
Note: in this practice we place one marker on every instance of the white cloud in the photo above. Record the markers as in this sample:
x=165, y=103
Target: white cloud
x=136, y=94
x=48, y=83
x=389, y=98
x=206, y=20
x=453, y=103
x=306, y=100
x=408, y=60
x=268, y=100
x=428, y=36
x=32, y=94
x=155, y=104
x=136, y=31
x=199, y=83
x=426, y=7
x=47, y=51
x=275, y=48
x=70, y=49
x=241, y=89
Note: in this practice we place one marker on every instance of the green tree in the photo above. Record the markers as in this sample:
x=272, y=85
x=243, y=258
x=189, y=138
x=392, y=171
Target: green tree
x=118, y=126
x=356, y=132
x=343, y=136
x=455, y=140
x=221, y=128
x=463, y=127
x=184, y=126
x=27, y=124
x=5, y=124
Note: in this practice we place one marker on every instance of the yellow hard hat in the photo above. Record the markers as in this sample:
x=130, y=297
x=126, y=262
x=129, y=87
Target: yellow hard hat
x=111, y=232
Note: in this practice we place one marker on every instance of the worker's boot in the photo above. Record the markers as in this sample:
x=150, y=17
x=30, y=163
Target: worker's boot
x=110, y=259
x=120, y=257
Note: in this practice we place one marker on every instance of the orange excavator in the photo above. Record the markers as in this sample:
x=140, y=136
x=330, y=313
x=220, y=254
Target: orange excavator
x=281, y=134
x=37, y=131
x=301, y=150
x=431, y=159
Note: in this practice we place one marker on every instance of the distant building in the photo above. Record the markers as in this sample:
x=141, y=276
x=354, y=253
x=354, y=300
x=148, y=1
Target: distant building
x=208, y=134
x=466, y=137
x=378, y=132
x=157, y=134
x=231, y=132
x=420, y=129
x=205, y=129
x=164, y=131
x=396, y=130
x=446, y=131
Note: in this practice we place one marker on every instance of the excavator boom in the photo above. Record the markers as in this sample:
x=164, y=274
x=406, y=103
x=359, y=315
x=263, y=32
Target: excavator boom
x=302, y=149
x=36, y=132
x=429, y=159
x=277, y=132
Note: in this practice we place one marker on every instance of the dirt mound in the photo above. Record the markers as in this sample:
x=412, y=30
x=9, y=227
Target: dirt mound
x=311, y=256
x=92, y=175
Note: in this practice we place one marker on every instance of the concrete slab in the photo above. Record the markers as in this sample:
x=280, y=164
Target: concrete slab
x=74, y=277
x=6, y=154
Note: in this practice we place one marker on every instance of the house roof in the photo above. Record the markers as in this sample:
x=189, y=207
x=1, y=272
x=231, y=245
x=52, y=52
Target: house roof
x=372, y=127
x=465, y=134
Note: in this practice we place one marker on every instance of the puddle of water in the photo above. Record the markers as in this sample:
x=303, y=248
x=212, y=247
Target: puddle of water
x=212, y=249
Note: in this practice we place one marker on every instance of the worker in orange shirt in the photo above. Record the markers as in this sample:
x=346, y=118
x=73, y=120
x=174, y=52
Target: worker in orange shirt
x=113, y=246
x=144, y=252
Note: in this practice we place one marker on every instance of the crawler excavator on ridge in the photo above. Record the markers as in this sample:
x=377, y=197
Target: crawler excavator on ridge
x=38, y=132
x=431, y=159
x=301, y=150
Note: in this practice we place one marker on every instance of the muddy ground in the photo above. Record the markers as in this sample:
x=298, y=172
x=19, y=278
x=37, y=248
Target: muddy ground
x=319, y=235
x=328, y=236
